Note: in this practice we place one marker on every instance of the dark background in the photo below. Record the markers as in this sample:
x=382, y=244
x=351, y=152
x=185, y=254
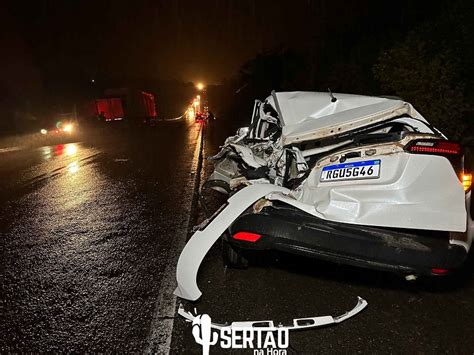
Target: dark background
x=52, y=50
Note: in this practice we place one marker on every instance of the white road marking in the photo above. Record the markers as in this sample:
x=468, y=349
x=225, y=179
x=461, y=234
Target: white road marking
x=175, y=119
x=10, y=149
x=161, y=329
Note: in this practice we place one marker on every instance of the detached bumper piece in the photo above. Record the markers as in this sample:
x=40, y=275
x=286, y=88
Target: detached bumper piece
x=406, y=251
x=202, y=240
x=298, y=323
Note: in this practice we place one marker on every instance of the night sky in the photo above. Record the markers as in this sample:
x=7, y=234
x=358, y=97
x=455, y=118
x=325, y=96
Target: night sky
x=179, y=39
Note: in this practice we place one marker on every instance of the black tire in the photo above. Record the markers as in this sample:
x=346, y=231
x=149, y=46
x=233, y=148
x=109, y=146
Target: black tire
x=233, y=258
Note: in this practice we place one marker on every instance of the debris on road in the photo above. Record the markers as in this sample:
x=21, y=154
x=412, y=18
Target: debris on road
x=298, y=323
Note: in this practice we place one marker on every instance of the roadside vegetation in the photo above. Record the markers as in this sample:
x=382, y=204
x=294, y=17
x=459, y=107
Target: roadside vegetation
x=430, y=65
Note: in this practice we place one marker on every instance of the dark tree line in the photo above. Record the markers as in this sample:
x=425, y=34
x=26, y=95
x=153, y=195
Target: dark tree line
x=433, y=68
x=430, y=65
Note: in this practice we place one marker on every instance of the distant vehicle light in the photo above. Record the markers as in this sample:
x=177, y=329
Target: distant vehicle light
x=43, y=131
x=71, y=149
x=67, y=128
x=200, y=86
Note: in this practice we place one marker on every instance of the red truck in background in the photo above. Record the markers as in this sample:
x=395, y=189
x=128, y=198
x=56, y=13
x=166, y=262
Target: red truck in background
x=125, y=104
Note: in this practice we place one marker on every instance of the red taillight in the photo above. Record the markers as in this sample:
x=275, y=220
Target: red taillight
x=432, y=146
x=450, y=150
x=437, y=271
x=247, y=236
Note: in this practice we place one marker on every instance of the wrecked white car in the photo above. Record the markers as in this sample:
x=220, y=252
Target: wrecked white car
x=359, y=180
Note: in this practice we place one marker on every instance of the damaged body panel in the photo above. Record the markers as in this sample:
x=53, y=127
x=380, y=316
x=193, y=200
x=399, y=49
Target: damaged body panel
x=202, y=240
x=308, y=116
x=361, y=180
x=400, y=190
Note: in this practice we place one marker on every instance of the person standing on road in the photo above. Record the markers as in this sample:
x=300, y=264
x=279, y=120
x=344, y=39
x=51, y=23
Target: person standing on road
x=101, y=117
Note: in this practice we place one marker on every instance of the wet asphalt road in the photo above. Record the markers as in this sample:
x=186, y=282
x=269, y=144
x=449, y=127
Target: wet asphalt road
x=87, y=231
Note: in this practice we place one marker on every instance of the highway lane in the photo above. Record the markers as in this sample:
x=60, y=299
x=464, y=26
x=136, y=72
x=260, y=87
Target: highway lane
x=85, y=233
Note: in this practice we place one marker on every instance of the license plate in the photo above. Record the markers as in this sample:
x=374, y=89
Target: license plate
x=359, y=170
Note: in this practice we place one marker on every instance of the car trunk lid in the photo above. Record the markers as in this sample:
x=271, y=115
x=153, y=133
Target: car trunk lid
x=306, y=116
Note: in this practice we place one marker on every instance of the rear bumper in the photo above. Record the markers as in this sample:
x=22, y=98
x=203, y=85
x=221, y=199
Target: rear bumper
x=406, y=251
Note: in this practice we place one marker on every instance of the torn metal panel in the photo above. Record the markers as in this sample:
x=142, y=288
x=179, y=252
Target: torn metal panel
x=339, y=123
x=260, y=160
x=248, y=156
x=307, y=116
x=298, y=323
x=297, y=106
x=225, y=170
x=202, y=240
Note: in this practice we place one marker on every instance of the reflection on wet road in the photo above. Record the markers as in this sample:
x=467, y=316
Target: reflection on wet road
x=85, y=230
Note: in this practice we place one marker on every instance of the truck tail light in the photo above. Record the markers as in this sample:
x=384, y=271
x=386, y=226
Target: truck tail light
x=247, y=236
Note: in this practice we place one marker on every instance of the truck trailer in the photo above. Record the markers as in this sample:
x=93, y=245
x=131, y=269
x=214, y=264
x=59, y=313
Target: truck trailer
x=136, y=106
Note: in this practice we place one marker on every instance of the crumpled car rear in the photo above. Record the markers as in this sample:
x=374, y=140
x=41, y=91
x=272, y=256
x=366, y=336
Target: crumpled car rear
x=310, y=134
x=372, y=165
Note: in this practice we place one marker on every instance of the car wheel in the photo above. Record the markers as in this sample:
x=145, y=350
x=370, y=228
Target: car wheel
x=233, y=258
